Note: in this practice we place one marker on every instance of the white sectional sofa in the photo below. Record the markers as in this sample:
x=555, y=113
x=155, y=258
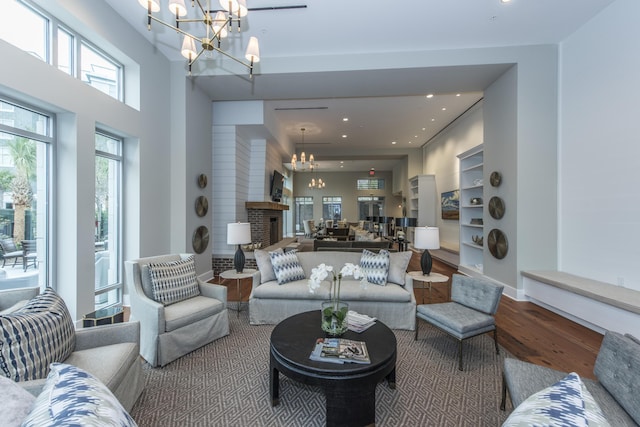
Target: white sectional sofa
x=394, y=303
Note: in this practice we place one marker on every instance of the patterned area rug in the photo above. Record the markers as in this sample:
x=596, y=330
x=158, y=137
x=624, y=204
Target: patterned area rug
x=226, y=383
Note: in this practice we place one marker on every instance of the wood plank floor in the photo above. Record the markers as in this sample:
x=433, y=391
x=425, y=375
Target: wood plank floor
x=527, y=331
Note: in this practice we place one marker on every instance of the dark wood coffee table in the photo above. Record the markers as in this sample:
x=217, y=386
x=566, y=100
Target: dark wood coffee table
x=350, y=389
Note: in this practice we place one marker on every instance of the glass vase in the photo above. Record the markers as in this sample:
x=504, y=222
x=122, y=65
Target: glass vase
x=334, y=318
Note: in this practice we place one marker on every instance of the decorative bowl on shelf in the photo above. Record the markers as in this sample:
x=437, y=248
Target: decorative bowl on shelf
x=476, y=221
x=476, y=201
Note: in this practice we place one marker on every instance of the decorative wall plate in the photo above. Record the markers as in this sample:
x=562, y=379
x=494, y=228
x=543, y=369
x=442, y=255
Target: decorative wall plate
x=495, y=179
x=200, y=239
x=202, y=206
x=496, y=207
x=497, y=242
x=202, y=180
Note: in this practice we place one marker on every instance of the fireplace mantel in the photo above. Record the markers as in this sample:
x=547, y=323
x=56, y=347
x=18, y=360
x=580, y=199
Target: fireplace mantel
x=271, y=206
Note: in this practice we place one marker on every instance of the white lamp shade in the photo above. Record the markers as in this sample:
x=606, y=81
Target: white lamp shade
x=155, y=4
x=177, y=7
x=218, y=21
x=253, y=52
x=243, y=8
x=238, y=233
x=188, y=48
x=427, y=238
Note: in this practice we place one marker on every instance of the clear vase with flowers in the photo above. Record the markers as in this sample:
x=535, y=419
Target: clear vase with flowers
x=334, y=312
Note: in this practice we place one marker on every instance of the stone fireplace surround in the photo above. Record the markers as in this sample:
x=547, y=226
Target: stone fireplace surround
x=266, y=228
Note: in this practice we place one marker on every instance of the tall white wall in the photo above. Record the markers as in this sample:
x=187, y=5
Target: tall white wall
x=599, y=191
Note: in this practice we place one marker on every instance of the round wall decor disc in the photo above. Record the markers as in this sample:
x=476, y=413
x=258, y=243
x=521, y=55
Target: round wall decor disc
x=202, y=206
x=497, y=242
x=495, y=179
x=200, y=239
x=496, y=207
x=202, y=180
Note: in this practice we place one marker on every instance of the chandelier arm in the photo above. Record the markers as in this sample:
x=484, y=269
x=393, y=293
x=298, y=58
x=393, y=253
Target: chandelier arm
x=197, y=56
x=250, y=66
x=204, y=12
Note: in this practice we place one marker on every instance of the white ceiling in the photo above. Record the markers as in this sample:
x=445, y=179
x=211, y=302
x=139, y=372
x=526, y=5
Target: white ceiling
x=382, y=105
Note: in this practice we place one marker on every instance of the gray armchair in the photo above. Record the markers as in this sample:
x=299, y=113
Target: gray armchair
x=473, y=304
x=169, y=332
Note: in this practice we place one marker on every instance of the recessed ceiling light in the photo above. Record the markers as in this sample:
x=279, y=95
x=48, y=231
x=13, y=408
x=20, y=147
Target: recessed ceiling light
x=393, y=142
x=433, y=120
x=505, y=1
x=344, y=136
x=345, y=119
x=341, y=166
x=423, y=129
x=342, y=162
x=444, y=108
x=457, y=94
x=429, y=96
x=415, y=136
x=410, y=142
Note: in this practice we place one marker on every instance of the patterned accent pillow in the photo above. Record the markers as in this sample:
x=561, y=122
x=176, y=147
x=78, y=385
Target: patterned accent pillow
x=286, y=266
x=566, y=403
x=375, y=266
x=174, y=281
x=72, y=397
x=38, y=334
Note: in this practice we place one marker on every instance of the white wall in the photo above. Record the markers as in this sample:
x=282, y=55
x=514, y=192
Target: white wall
x=440, y=160
x=599, y=191
x=80, y=109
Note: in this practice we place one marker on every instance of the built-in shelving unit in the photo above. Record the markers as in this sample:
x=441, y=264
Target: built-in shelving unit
x=471, y=210
x=422, y=201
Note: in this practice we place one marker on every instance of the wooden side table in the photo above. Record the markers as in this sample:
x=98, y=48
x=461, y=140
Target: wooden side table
x=430, y=279
x=231, y=275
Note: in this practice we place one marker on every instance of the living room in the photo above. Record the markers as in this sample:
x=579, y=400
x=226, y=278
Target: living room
x=562, y=111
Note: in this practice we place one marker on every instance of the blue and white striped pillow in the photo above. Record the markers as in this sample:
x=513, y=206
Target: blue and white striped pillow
x=175, y=281
x=375, y=266
x=286, y=266
x=33, y=337
x=73, y=397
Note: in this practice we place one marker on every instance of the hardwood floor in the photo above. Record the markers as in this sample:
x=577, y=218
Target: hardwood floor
x=527, y=331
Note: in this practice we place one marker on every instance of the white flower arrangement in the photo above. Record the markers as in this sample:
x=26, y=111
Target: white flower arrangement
x=320, y=273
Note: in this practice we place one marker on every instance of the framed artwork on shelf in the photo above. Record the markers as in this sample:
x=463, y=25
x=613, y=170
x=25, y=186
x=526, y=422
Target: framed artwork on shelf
x=450, y=201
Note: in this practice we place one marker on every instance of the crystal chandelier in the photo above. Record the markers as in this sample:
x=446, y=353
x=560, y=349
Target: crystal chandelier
x=303, y=157
x=217, y=25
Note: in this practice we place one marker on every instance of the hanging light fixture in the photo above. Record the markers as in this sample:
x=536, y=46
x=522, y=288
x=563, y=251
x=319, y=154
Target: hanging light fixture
x=303, y=157
x=316, y=184
x=217, y=26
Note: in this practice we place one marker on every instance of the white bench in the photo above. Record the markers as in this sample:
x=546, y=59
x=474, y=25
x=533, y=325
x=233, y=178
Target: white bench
x=597, y=305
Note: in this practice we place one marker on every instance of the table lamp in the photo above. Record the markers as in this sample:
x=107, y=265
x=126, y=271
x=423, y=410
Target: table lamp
x=238, y=233
x=426, y=238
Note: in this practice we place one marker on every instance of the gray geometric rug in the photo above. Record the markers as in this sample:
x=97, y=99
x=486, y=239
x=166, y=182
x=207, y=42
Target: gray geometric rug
x=226, y=383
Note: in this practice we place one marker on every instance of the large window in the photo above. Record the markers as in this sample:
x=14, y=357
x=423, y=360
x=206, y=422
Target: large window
x=370, y=184
x=303, y=211
x=108, y=281
x=332, y=208
x=26, y=140
x=28, y=28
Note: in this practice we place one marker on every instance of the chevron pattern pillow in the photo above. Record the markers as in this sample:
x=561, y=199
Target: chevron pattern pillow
x=73, y=397
x=286, y=266
x=33, y=337
x=174, y=281
x=375, y=266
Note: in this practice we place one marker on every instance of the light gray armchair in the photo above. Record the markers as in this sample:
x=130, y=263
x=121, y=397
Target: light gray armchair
x=169, y=332
x=473, y=304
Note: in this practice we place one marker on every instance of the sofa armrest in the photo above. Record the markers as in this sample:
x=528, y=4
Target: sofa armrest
x=99, y=336
x=255, y=280
x=408, y=283
x=9, y=297
x=211, y=290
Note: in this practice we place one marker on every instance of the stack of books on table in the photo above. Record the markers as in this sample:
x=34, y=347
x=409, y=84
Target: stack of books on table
x=339, y=350
x=359, y=322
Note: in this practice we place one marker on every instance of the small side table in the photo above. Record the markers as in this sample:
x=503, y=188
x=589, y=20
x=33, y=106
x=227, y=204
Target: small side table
x=430, y=279
x=104, y=316
x=231, y=275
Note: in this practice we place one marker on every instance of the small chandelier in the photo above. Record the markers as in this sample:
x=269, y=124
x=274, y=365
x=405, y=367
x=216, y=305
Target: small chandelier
x=316, y=184
x=303, y=157
x=218, y=25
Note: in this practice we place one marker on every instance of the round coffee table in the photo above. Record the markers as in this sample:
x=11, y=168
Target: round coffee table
x=350, y=388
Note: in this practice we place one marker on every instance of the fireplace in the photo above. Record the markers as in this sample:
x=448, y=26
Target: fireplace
x=266, y=222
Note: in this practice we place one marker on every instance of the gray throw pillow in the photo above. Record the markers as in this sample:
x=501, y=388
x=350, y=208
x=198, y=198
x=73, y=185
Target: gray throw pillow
x=398, y=263
x=286, y=266
x=263, y=260
x=375, y=266
x=174, y=281
x=16, y=403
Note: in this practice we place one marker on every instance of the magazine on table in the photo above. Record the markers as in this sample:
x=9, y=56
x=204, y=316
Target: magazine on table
x=359, y=322
x=340, y=350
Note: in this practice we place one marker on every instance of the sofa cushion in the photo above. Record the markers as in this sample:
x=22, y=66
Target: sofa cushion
x=263, y=260
x=566, y=403
x=375, y=266
x=174, y=281
x=455, y=318
x=617, y=368
x=73, y=397
x=351, y=290
x=16, y=403
x=114, y=362
x=15, y=307
x=296, y=290
x=40, y=333
x=286, y=266
x=190, y=311
x=398, y=263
